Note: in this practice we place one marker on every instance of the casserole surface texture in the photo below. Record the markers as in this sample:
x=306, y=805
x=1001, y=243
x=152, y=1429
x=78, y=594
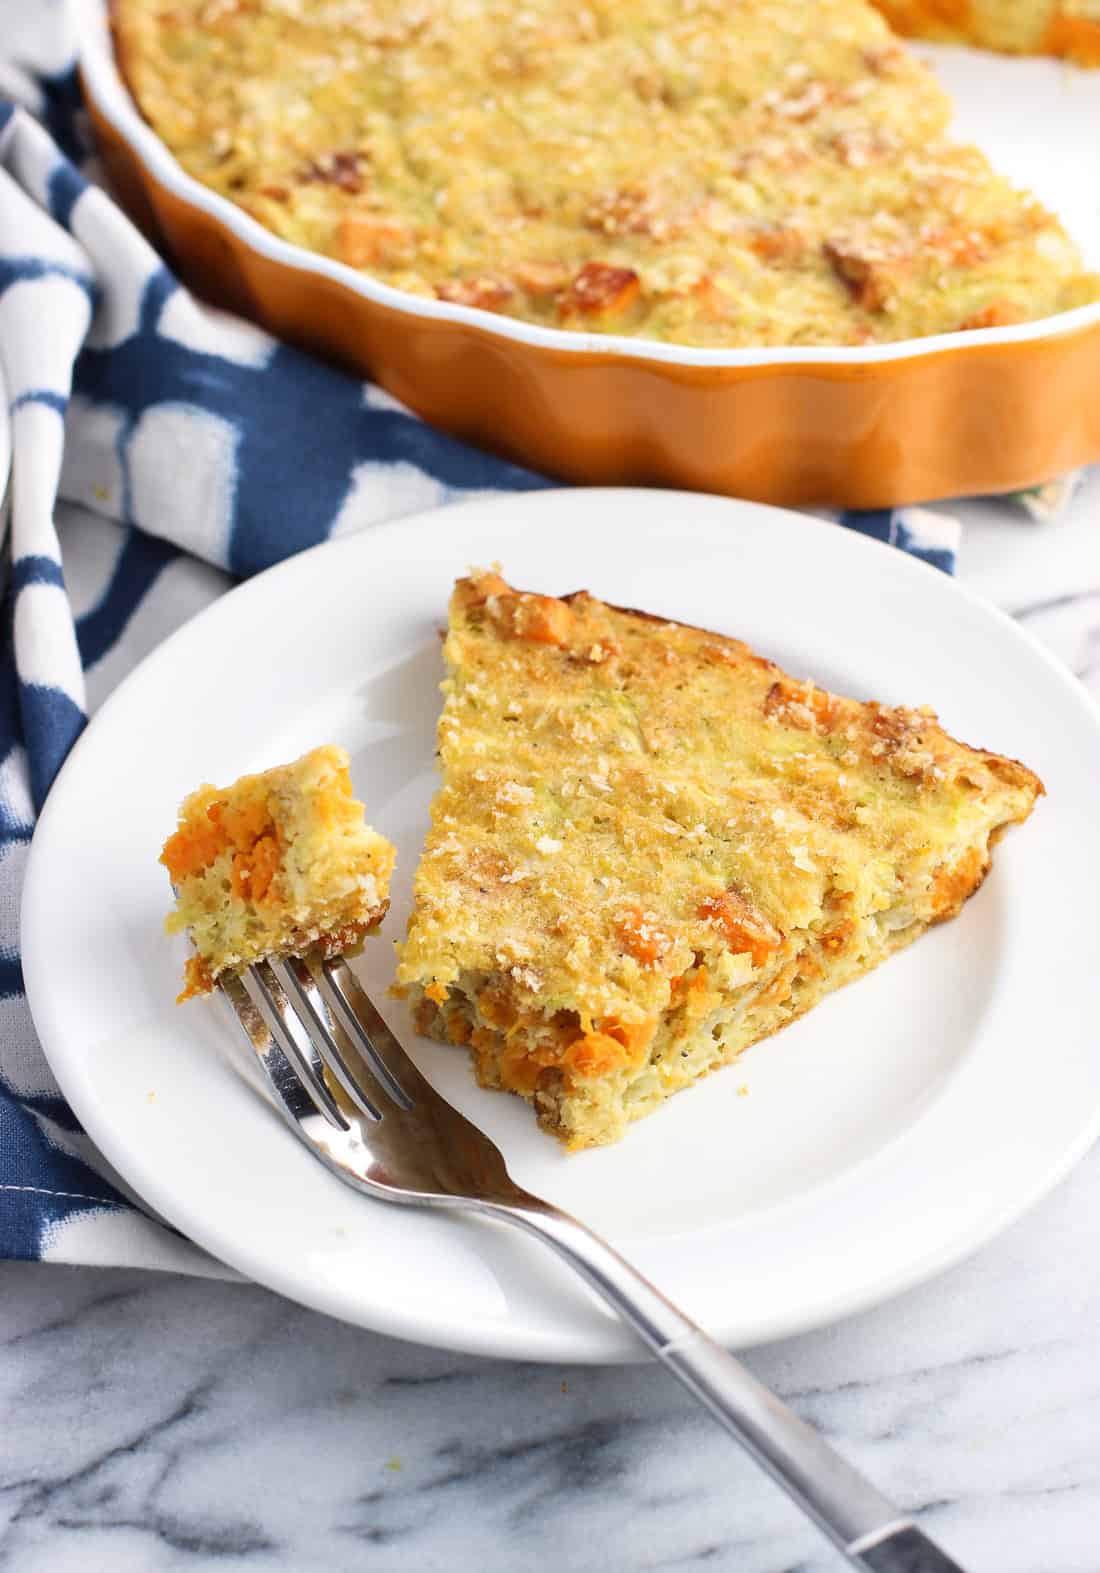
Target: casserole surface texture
x=767, y=173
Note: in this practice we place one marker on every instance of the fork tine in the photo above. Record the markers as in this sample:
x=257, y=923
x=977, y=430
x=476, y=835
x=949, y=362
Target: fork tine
x=249, y=1020
x=266, y=993
x=366, y=1029
x=274, y=1070
x=299, y=984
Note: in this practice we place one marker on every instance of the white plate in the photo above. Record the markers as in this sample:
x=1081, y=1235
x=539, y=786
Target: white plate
x=891, y=1131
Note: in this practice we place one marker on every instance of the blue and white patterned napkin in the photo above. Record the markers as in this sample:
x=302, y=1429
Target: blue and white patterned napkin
x=160, y=450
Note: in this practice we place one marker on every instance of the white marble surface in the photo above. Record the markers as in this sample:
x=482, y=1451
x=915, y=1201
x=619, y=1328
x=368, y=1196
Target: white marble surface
x=155, y=1423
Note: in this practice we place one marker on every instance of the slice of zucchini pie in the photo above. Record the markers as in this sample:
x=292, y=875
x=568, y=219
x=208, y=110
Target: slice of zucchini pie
x=652, y=847
x=277, y=864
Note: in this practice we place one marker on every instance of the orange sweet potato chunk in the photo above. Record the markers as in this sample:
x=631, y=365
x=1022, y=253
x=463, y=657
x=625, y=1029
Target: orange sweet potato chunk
x=742, y=926
x=599, y=289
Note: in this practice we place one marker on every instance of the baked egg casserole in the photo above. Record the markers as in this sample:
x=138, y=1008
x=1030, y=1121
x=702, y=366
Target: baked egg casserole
x=275, y=865
x=713, y=173
x=652, y=847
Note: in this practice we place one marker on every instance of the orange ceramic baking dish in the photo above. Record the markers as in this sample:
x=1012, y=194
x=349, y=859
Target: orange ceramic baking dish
x=982, y=411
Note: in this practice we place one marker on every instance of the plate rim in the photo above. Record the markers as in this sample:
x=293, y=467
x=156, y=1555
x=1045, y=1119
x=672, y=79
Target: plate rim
x=504, y=1340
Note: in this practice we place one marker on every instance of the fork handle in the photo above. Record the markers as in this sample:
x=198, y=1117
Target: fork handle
x=868, y=1528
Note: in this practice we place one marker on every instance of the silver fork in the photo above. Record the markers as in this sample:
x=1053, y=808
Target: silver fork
x=387, y=1132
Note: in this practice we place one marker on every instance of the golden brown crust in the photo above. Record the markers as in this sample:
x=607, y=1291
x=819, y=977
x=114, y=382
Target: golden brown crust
x=1012, y=771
